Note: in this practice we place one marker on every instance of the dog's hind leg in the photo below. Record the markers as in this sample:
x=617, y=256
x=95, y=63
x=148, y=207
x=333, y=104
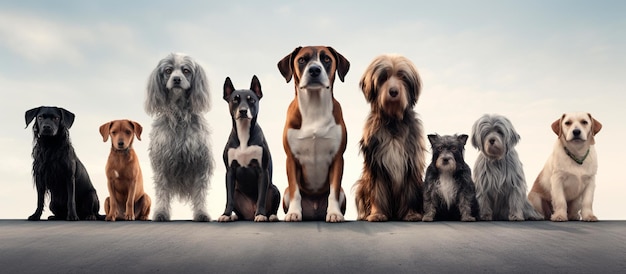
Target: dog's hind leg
x=164, y=200
x=142, y=208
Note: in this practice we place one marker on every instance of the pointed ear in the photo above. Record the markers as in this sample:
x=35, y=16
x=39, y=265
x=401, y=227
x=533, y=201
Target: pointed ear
x=67, y=117
x=228, y=88
x=31, y=114
x=256, y=87
x=104, y=131
x=285, y=65
x=137, y=128
x=462, y=138
x=556, y=126
x=432, y=138
x=342, y=64
x=596, y=126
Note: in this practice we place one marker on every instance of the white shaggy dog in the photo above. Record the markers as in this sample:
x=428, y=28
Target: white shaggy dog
x=498, y=174
x=564, y=189
x=180, y=150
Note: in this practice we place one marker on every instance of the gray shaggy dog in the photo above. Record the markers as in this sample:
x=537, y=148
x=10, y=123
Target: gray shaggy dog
x=498, y=174
x=180, y=150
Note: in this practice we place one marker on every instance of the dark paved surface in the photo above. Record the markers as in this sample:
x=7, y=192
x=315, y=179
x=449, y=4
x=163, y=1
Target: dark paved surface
x=312, y=247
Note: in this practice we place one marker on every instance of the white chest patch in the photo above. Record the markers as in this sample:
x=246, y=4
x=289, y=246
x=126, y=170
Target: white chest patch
x=395, y=160
x=244, y=154
x=447, y=188
x=315, y=147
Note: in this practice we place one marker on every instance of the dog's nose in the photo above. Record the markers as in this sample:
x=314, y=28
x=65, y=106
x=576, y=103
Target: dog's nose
x=315, y=71
x=120, y=143
x=576, y=132
x=243, y=112
x=393, y=92
x=176, y=80
x=492, y=141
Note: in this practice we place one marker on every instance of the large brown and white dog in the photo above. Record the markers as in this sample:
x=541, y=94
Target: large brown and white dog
x=393, y=145
x=564, y=189
x=315, y=135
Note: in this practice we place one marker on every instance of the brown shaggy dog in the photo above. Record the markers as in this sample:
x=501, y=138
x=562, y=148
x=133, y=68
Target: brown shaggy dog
x=391, y=185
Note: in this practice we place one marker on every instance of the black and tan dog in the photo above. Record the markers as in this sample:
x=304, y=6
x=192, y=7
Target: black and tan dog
x=315, y=135
x=449, y=192
x=57, y=170
x=249, y=189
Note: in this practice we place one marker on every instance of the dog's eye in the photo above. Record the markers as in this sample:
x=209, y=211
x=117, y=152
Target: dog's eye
x=584, y=122
x=55, y=118
x=439, y=148
x=168, y=70
x=236, y=99
x=301, y=60
x=128, y=132
x=186, y=71
x=453, y=149
x=326, y=59
x=568, y=123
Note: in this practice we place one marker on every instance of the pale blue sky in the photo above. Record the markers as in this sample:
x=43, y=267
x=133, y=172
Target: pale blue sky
x=528, y=60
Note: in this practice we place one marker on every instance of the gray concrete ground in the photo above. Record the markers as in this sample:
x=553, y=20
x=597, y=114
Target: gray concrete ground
x=312, y=247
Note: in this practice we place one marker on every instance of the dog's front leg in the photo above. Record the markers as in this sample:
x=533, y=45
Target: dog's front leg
x=334, y=213
x=228, y=216
x=41, y=193
x=587, y=201
x=292, y=196
x=559, y=203
x=71, y=195
x=129, y=213
x=263, y=184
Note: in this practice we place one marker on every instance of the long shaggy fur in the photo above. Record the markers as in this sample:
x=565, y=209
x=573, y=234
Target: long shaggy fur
x=449, y=193
x=393, y=147
x=57, y=171
x=498, y=173
x=180, y=149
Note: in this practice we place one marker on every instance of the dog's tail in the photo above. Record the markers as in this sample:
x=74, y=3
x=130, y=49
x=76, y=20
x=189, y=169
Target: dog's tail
x=530, y=213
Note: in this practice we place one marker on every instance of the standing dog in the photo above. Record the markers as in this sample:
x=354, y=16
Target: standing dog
x=393, y=146
x=180, y=150
x=498, y=173
x=315, y=135
x=564, y=189
x=449, y=192
x=127, y=200
x=57, y=170
x=249, y=189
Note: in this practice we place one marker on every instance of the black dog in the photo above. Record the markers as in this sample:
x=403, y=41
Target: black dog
x=57, y=170
x=249, y=189
x=449, y=192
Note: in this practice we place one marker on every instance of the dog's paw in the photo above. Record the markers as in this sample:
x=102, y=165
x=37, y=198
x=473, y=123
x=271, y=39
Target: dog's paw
x=558, y=218
x=273, y=218
x=486, y=217
x=201, y=218
x=590, y=218
x=72, y=217
x=428, y=218
x=161, y=217
x=110, y=218
x=129, y=217
x=412, y=217
x=468, y=219
x=516, y=218
x=377, y=218
x=293, y=217
x=91, y=218
x=226, y=218
x=260, y=218
x=334, y=218
x=34, y=217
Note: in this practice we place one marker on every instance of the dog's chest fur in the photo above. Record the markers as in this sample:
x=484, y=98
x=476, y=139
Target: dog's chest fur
x=447, y=189
x=244, y=153
x=317, y=141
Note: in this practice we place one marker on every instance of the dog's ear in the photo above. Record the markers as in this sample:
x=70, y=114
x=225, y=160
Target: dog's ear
x=432, y=138
x=368, y=84
x=228, y=88
x=31, y=114
x=462, y=138
x=156, y=90
x=137, y=128
x=104, y=131
x=596, y=126
x=342, y=64
x=67, y=117
x=556, y=126
x=256, y=87
x=285, y=65
x=199, y=98
x=514, y=137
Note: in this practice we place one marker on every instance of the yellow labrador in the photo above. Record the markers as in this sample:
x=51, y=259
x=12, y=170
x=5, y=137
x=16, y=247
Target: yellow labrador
x=564, y=188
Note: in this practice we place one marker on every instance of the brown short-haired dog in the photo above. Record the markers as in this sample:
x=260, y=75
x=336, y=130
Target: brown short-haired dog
x=125, y=182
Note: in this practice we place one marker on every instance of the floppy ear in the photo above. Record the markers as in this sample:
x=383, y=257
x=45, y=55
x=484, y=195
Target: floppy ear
x=556, y=126
x=462, y=138
x=67, y=118
x=156, y=91
x=367, y=84
x=596, y=126
x=256, y=87
x=342, y=64
x=201, y=101
x=285, y=65
x=104, y=131
x=514, y=137
x=228, y=89
x=476, y=143
x=31, y=114
x=137, y=128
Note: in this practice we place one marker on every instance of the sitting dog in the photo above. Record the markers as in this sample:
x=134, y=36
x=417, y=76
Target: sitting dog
x=315, y=135
x=249, y=189
x=449, y=192
x=498, y=173
x=127, y=200
x=57, y=170
x=565, y=186
x=393, y=146
x=180, y=150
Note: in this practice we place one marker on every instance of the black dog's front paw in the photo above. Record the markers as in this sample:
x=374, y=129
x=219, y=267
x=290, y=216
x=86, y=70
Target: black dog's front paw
x=72, y=218
x=35, y=217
